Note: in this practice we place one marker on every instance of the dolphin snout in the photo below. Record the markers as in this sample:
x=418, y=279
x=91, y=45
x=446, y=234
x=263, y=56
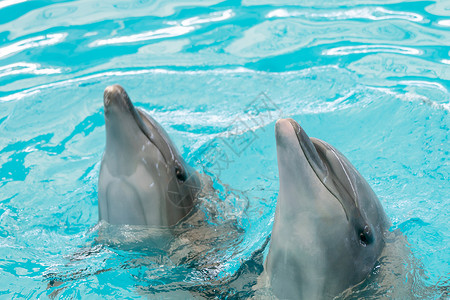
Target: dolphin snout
x=288, y=132
x=283, y=128
x=112, y=93
x=282, y=124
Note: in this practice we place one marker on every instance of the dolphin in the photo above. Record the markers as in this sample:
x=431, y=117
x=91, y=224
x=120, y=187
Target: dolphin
x=329, y=226
x=143, y=179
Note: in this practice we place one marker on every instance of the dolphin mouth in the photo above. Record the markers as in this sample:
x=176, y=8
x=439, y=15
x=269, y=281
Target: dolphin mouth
x=115, y=95
x=317, y=160
x=333, y=170
x=310, y=151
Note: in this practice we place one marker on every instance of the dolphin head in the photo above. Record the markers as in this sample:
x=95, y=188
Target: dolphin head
x=143, y=179
x=329, y=224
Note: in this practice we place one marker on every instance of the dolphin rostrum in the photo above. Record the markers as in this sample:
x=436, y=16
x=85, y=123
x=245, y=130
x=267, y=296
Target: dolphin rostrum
x=143, y=179
x=329, y=225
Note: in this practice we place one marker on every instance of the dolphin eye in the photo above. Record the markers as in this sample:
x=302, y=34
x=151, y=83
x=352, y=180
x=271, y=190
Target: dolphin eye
x=179, y=172
x=365, y=236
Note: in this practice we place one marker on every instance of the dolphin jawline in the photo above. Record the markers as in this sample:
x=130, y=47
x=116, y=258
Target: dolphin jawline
x=313, y=149
x=313, y=158
x=143, y=179
x=164, y=148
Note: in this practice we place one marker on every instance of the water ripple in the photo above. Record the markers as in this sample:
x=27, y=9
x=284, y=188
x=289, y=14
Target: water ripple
x=370, y=13
x=183, y=28
x=439, y=8
x=6, y=3
x=347, y=50
x=364, y=75
x=317, y=4
x=282, y=36
x=214, y=17
x=392, y=65
x=445, y=23
x=237, y=71
x=145, y=36
x=36, y=90
x=26, y=68
x=34, y=42
x=92, y=11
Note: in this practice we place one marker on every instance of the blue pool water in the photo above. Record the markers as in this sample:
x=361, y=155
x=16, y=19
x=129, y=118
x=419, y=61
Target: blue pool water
x=370, y=77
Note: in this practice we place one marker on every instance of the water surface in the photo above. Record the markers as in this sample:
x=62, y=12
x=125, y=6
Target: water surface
x=370, y=77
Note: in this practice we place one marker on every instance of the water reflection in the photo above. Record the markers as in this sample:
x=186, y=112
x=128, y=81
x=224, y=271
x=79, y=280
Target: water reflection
x=177, y=29
x=145, y=36
x=35, y=90
x=371, y=49
x=445, y=23
x=7, y=3
x=214, y=17
x=34, y=42
x=371, y=13
x=26, y=68
x=214, y=61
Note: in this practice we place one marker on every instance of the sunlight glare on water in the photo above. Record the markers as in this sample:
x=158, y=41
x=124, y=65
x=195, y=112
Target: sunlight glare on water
x=370, y=77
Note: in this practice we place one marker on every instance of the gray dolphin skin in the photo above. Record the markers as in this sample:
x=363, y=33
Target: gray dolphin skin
x=143, y=179
x=329, y=225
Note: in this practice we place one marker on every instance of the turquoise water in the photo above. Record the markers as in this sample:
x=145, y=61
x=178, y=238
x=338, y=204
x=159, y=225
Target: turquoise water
x=370, y=77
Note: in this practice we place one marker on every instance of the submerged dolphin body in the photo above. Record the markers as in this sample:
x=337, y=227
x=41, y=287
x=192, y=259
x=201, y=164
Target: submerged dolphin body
x=329, y=225
x=143, y=179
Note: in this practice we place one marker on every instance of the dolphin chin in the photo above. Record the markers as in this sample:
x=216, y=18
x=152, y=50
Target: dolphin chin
x=329, y=225
x=143, y=179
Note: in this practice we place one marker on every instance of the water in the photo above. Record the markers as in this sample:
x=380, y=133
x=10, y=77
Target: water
x=370, y=77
